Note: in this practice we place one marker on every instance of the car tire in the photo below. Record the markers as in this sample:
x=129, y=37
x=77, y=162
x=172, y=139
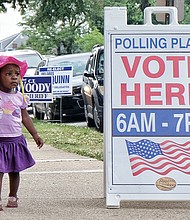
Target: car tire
x=97, y=120
x=53, y=117
x=48, y=113
x=37, y=114
x=89, y=121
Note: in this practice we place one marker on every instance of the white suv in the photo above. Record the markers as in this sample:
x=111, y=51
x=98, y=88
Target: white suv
x=32, y=57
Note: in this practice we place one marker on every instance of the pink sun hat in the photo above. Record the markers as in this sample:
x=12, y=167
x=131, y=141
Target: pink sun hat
x=4, y=60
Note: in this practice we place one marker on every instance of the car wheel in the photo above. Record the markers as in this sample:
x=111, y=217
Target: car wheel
x=48, y=113
x=56, y=118
x=89, y=121
x=52, y=116
x=97, y=120
x=37, y=114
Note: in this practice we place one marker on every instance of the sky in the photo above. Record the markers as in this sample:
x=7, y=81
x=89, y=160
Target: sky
x=8, y=23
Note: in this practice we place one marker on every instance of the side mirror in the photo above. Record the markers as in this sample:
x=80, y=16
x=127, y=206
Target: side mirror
x=87, y=74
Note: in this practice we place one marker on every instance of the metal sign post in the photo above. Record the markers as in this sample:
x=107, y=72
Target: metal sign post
x=146, y=108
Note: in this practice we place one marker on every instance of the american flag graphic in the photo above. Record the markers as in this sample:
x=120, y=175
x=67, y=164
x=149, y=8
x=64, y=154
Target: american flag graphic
x=160, y=158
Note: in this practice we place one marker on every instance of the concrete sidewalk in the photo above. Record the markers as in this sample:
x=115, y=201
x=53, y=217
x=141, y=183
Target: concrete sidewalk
x=66, y=186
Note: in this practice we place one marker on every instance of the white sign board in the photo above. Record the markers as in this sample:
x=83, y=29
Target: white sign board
x=146, y=114
x=62, y=79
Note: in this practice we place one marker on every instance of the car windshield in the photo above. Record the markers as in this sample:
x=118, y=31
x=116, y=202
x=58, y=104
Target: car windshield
x=32, y=59
x=78, y=63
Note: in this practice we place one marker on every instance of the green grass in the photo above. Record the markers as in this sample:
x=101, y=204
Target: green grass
x=80, y=140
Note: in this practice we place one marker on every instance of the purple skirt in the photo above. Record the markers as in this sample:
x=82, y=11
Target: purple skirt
x=14, y=154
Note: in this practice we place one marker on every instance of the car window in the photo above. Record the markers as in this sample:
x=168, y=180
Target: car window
x=78, y=64
x=87, y=68
x=93, y=63
x=32, y=59
x=100, y=70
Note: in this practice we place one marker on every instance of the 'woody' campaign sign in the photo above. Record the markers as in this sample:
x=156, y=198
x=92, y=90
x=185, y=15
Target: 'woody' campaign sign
x=147, y=115
x=38, y=88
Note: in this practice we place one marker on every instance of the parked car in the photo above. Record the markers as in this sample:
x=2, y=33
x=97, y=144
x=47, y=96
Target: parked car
x=65, y=105
x=93, y=88
x=32, y=57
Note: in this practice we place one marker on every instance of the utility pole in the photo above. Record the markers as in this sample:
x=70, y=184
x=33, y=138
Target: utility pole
x=167, y=16
x=170, y=2
x=179, y=4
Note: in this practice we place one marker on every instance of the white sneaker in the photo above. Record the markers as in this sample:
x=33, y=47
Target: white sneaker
x=12, y=202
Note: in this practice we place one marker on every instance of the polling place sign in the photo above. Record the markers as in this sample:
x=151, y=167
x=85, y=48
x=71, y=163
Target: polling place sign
x=62, y=79
x=38, y=88
x=146, y=111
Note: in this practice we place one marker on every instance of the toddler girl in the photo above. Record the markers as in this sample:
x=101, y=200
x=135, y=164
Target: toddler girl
x=14, y=154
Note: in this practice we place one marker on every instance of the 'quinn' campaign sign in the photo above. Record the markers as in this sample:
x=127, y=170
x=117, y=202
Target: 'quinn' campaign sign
x=62, y=79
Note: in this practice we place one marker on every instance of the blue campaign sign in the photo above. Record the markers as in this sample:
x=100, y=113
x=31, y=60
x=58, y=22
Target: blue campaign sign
x=38, y=88
x=62, y=79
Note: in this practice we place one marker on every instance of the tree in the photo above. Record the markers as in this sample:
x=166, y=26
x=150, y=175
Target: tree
x=86, y=42
x=57, y=20
x=187, y=12
x=72, y=23
x=60, y=22
x=22, y=4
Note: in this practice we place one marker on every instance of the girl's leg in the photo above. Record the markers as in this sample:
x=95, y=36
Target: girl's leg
x=1, y=182
x=14, y=181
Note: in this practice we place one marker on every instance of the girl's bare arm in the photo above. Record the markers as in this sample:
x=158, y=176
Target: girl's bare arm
x=27, y=122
